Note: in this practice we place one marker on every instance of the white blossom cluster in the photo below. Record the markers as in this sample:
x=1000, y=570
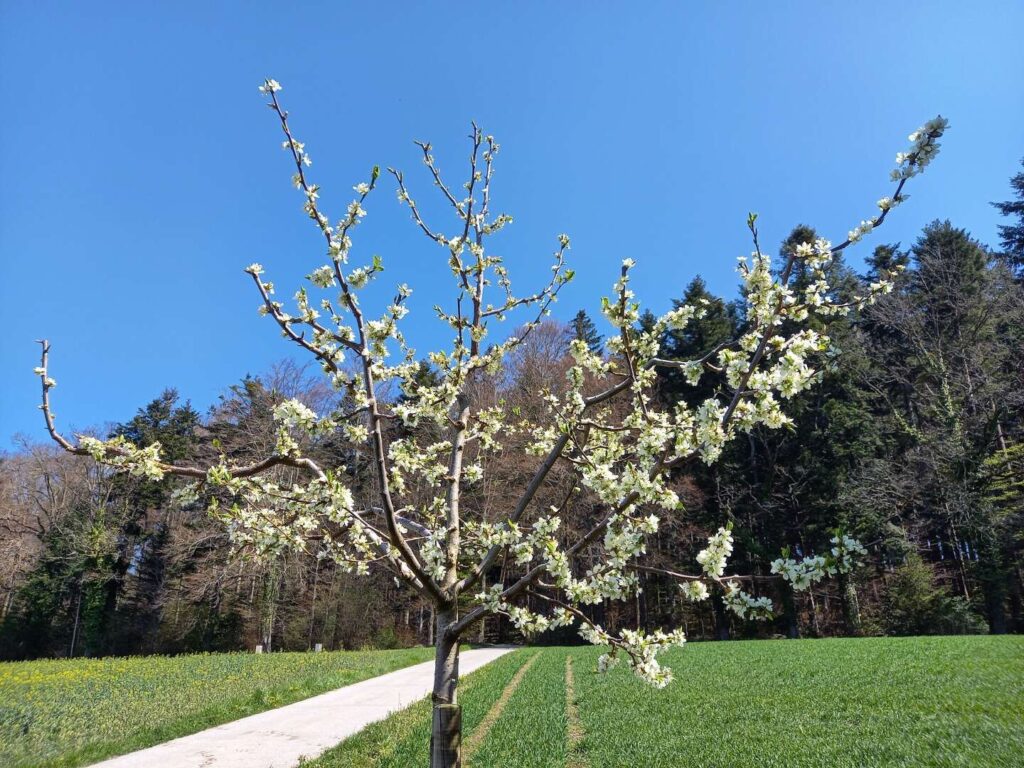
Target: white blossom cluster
x=846, y=550
x=118, y=451
x=803, y=573
x=745, y=605
x=530, y=623
x=695, y=590
x=428, y=446
x=714, y=558
x=47, y=381
x=641, y=649
x=924, y=147
x=121, y=453
x=267, y=518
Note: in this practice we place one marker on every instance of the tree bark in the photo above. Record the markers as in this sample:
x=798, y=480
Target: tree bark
x=815, y=622
x=483, y=621
x=1016, y=602
x=851, y=606
x=789, y=612
x=994, y=582
x=721, y=615
x=312, y=604
x=78, y=614
x=446, y=725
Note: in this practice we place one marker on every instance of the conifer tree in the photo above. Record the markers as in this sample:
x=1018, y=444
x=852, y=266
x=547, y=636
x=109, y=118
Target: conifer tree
x=1012, y=235
x=583, y=329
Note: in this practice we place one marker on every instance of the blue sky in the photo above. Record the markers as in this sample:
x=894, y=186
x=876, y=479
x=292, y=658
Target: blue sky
x=141, y=173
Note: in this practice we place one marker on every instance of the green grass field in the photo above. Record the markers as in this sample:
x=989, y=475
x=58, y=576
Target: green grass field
x=68, y=713
x=942, y=701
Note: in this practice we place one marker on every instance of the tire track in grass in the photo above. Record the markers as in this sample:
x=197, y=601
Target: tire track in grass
x=531, y=731
x=476, y=738
x=575, y=754
x=401, y=740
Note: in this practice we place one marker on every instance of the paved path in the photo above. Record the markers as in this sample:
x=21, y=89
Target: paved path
x=279, y=737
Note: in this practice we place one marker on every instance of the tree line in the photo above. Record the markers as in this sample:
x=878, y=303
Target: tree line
x=913, y=441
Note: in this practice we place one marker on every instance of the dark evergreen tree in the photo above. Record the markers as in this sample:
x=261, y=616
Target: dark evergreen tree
x=946, y=371
x=583, y=328
x=885, y=259
x=96, y=588
x=701, y=336
x=1012, y=234
x=125, y=620
x=780, y=488
x=646, y=321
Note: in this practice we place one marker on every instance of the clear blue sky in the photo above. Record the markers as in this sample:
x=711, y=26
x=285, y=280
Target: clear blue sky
x=141, y=173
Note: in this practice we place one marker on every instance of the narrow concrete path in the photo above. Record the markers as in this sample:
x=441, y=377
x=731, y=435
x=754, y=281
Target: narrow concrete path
x=279, y=737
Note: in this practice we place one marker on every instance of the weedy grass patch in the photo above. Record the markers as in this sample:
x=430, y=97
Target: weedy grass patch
x=63, y=713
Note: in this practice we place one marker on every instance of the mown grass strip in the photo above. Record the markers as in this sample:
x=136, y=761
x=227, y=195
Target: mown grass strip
x=403, y=739
x=574, y=728
x=476, y=738
x=66, y=713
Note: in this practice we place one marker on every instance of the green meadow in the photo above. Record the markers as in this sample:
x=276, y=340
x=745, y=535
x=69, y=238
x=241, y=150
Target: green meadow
x=934, y=701
x=930, y=701
x=62, y=713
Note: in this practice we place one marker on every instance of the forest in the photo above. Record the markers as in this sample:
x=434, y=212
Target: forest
x=913, y=442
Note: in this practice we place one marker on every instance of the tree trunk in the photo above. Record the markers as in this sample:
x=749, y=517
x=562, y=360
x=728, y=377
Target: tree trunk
x=851, y=607
x=721, y=615
x=790, y=616
x=815, y=623
x=958, y=558
x=78, y=614
x=483, y=622
x=994, y=584
x=446, y=726
x=312, y=604
x=1016, y=602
